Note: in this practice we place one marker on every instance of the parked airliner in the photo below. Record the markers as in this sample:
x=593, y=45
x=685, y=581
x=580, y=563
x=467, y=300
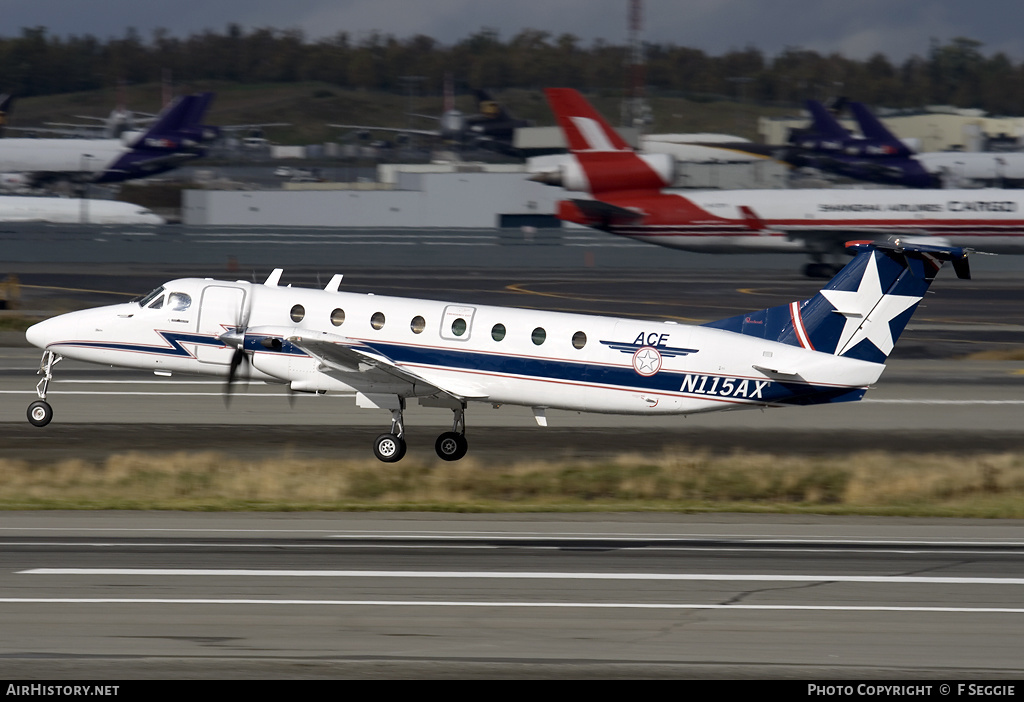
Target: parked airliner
x=175, y=137
x=385, y=351
x=628, y=197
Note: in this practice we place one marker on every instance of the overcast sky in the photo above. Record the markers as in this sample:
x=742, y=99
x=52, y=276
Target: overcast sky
x=854, y=28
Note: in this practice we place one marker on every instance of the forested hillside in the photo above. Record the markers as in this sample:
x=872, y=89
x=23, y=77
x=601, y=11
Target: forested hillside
x=957, y=73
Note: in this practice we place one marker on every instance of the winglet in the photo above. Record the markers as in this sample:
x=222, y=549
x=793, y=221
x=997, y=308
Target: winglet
x=274, y=278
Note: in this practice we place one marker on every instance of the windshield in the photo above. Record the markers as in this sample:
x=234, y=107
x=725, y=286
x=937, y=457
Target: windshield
x=143, y=301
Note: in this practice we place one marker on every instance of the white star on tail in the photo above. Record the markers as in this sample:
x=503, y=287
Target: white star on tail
x=867, y=311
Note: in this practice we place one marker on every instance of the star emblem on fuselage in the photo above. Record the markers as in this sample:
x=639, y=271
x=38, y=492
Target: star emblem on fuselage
x=647, y=361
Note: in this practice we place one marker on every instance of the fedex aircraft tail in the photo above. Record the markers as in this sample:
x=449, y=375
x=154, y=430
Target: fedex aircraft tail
x=823, y=123
x=602, y=160
x=872, y=128
x=176, y=136
x=180, y=122
x=864, y=309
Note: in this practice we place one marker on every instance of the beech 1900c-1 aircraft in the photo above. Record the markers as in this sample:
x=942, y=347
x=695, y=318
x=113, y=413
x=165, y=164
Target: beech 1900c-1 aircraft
x=386, y=350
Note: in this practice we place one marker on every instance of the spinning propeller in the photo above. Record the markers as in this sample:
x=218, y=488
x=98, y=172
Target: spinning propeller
x=236, y=339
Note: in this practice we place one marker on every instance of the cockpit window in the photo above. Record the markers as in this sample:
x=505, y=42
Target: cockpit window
x=178, y=301
x=157, y=303
x=149, y=297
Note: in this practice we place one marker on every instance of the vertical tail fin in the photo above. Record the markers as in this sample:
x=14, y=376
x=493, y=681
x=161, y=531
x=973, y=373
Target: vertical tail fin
x=606, y=162
x=863, y=310
x=823, y=123
x=872, y=128
x=179, y=121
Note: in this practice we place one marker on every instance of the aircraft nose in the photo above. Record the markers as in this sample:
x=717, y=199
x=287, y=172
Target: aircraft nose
x=45, y=333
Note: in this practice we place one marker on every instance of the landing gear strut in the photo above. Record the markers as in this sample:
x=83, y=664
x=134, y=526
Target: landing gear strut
x=39, y=412
x=450, y=446
x=390, y=447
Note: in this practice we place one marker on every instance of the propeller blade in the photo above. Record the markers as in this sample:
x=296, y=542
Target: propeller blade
x=237, y=359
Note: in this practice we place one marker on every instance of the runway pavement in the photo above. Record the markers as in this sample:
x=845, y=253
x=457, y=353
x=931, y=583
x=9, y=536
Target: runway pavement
x=122, y=596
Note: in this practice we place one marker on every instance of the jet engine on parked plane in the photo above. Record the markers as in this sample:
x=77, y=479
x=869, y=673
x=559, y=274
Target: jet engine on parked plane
x=650, y=171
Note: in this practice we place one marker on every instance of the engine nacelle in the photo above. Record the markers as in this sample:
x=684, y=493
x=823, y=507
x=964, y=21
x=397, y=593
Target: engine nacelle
x=613, y=170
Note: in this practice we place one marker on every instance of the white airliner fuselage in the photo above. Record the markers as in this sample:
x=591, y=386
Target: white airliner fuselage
x=722, y=221
x=74, y=211
x=84, y=156
x=499, y=355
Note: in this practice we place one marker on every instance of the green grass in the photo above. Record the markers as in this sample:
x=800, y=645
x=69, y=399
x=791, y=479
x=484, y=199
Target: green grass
x=875, y=483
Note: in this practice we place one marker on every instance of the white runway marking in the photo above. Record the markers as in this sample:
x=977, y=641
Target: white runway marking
x=553, y=605
x=512, y=575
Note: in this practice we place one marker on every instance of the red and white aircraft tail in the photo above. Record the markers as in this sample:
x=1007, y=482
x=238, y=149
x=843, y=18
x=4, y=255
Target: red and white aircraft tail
x=603, y=162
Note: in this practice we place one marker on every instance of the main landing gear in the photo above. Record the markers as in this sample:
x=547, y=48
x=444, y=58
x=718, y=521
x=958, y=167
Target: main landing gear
x=39, y=412
x=450, y=446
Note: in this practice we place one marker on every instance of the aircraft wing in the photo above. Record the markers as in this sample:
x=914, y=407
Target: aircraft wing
x=340, y=355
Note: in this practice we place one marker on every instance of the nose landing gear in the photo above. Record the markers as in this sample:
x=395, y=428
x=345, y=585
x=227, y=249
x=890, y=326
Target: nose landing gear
x=39, y=412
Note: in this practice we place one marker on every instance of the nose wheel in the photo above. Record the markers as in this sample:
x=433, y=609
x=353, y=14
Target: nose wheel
x=39, y=412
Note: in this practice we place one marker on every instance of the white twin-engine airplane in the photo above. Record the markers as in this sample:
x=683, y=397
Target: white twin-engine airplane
x=386, y=350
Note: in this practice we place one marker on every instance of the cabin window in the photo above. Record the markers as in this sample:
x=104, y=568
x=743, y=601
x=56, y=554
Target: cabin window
x=538, y=336
x=579, y=340
x=338, y=317
x=459, y=327
x=498, y=332
x=178, y=302
x=377, y=320
x=418, y=324
x=297, y=313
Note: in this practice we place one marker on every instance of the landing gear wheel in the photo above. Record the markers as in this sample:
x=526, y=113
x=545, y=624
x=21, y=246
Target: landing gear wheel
x=451, y=446
x=389, y=448
x=40, y=413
